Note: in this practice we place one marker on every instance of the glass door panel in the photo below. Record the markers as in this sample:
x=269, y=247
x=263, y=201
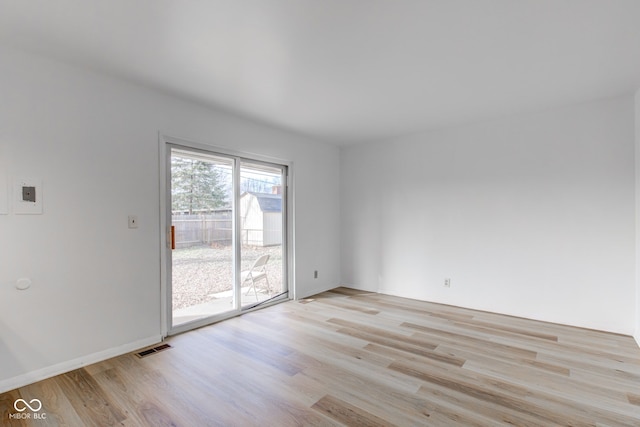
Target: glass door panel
x=202, y=273
x=262, y=233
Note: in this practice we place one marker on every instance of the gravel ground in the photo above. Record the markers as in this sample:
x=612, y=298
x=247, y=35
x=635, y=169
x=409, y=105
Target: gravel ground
x=200, y=271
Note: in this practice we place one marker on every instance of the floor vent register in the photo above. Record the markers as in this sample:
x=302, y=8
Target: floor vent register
x=154, y=350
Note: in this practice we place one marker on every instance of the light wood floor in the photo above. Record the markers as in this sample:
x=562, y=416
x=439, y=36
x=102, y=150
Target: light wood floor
x=352, y=358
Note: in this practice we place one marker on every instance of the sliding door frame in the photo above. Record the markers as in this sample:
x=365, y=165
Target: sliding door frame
x=165, y=143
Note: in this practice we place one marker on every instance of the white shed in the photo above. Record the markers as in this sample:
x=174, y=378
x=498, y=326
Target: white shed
x=261, y=216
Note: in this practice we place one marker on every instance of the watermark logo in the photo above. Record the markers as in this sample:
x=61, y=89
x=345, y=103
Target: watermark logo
x=34, y=406
x=21, y=405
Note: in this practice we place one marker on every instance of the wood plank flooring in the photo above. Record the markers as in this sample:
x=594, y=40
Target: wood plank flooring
x=354, y=358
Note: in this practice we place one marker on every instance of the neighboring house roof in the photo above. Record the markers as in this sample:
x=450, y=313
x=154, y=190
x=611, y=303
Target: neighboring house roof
x=268, y=202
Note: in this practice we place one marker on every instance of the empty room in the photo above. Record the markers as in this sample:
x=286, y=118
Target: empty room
x=327, y=213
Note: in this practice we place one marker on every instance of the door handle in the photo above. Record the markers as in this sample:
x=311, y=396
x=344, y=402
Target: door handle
x=173, y=237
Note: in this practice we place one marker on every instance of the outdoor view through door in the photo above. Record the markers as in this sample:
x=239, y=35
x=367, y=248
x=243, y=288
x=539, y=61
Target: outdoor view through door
x=228, y=221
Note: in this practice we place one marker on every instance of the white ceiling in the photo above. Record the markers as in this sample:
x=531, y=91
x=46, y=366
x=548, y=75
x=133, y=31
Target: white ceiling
x=347, y=71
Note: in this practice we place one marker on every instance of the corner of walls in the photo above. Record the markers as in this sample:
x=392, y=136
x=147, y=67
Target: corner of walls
x=637, y=167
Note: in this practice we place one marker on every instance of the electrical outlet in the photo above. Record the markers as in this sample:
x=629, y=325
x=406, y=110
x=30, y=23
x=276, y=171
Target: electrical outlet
x=447, y=283
x=315, y=274
x=133, y=221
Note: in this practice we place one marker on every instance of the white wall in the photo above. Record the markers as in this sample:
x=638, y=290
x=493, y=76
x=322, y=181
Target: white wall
x=637, y=148
x=531, y=216
x=93, y=140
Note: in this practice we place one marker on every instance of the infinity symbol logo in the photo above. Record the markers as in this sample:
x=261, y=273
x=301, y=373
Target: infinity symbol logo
x=26, y=405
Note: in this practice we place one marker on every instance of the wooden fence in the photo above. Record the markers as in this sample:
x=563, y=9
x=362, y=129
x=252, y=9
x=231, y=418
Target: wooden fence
x=203, y=229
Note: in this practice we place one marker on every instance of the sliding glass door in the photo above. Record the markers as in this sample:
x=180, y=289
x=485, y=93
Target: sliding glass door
x=227, y=238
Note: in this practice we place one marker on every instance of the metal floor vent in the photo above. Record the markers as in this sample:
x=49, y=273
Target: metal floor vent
x=145, y=353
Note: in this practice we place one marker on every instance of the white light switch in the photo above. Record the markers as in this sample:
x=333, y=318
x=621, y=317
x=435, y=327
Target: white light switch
x=133, y=221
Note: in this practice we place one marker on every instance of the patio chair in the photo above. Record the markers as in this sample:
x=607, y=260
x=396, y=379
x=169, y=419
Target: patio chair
x=256, y=273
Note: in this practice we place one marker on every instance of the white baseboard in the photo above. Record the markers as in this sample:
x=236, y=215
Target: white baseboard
x=356, y=287
x=637, y=338
x=70, y=365
x=315, y=291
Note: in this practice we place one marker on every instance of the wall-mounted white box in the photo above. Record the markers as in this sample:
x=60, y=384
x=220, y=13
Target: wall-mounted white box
x=27, y=195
